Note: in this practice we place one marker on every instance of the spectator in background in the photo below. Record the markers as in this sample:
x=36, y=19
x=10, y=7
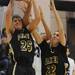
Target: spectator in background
x=4, y=62
x=8, y=50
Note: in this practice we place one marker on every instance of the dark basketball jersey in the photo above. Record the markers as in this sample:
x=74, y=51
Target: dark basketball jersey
x=53, y=59
x=23, y=47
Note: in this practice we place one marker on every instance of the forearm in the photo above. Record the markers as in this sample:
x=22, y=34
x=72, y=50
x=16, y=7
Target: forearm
x=58, y=20
x=27, y=13
x=57, y=17
x=8, y=16
x=48, y=33
x=60, y=28
x=59, y=24
x=37, y=37
x=10, y=7
x=36, y=9
x=35, y=22
x=28, y=9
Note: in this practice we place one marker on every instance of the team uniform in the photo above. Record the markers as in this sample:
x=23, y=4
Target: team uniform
x=23, y=47
x=53, y=59
x=37, y=61
x=72, y=66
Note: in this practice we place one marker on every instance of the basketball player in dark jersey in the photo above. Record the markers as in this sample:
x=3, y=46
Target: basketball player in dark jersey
x=54, y=59
x=23, y=44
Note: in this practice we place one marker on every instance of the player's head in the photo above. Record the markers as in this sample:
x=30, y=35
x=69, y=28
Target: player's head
x=17, y=22
x=55, y=38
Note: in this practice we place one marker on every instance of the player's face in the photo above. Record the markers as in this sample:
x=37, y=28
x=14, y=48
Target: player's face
x=17, y=23
x=55, y=38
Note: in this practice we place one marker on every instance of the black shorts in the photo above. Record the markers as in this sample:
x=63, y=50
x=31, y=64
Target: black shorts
x=21, y=70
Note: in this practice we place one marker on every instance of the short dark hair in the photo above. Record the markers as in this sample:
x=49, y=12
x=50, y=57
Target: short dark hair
x=17, y=16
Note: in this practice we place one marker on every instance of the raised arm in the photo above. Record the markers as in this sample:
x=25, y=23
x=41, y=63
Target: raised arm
x=8, y=15
x=36, y=21
x=59, y=24
x=48, y=32
x=27, y=13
